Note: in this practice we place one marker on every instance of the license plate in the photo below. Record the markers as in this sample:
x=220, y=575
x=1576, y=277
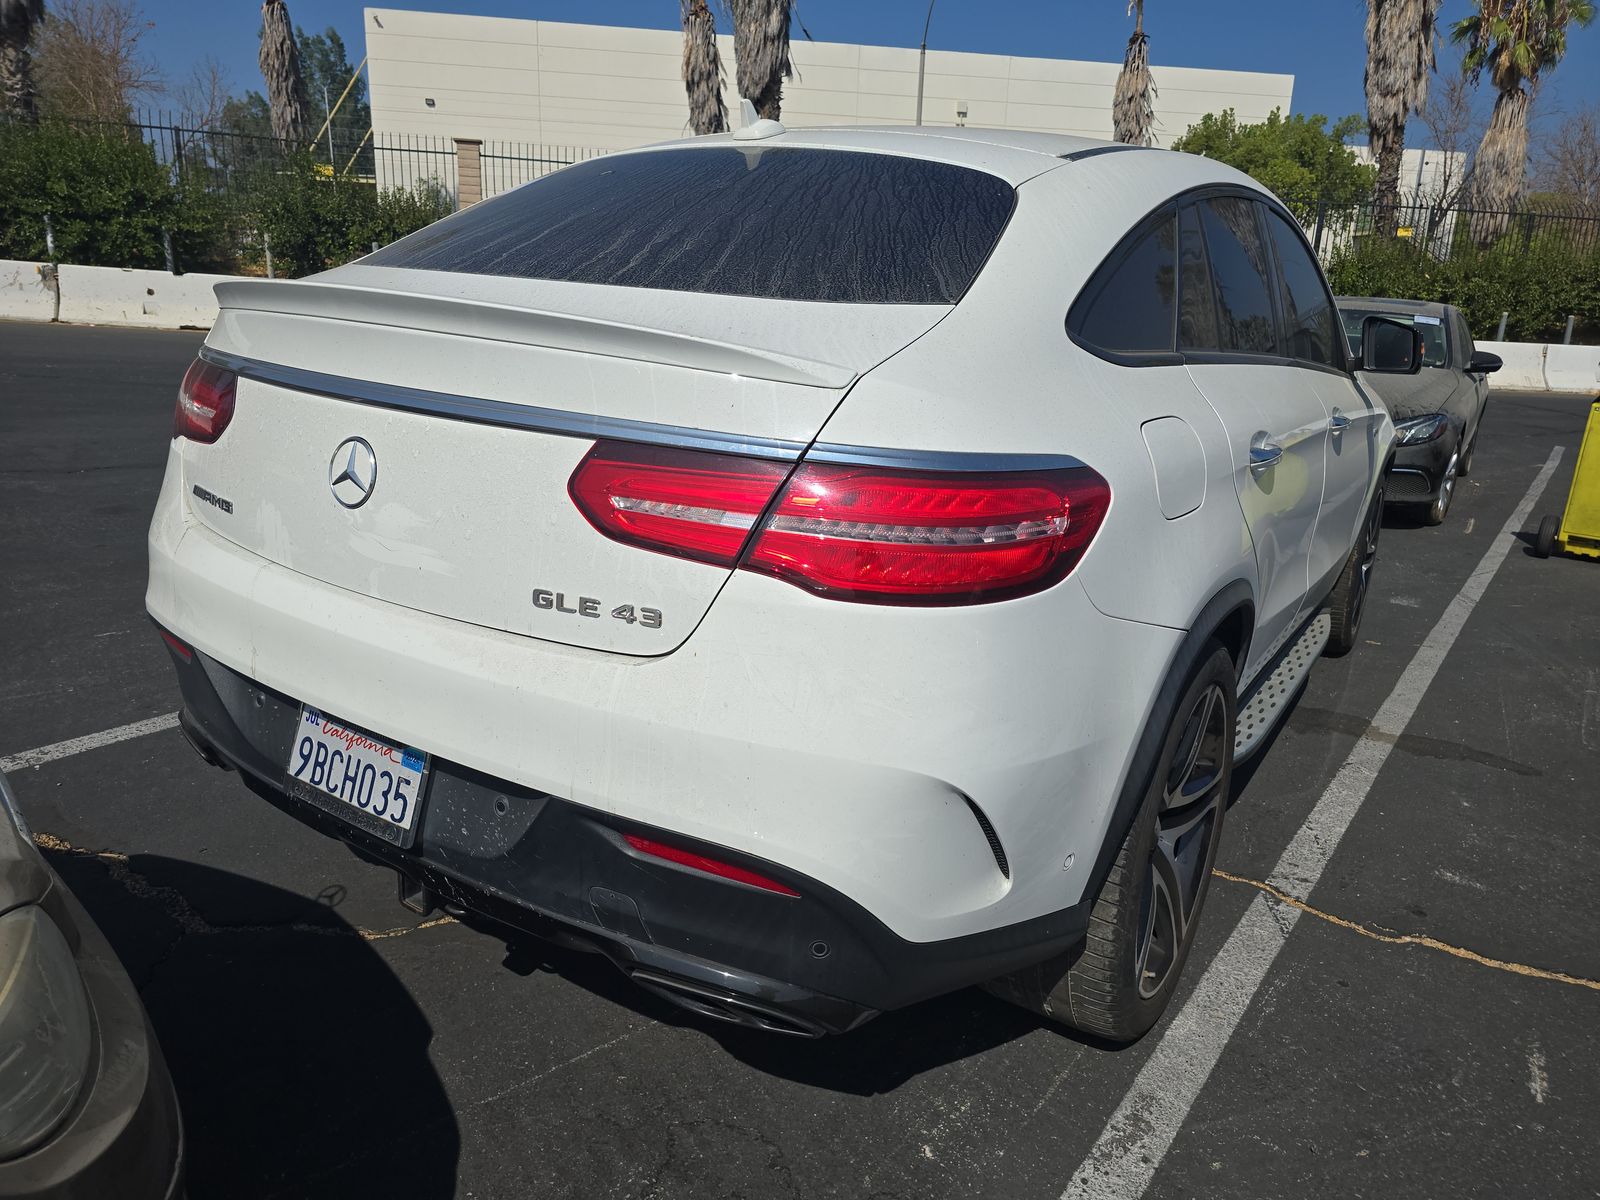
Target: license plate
x=356, y=775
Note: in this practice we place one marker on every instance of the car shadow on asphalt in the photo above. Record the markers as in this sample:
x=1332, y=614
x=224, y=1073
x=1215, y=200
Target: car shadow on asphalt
x=300, y=1060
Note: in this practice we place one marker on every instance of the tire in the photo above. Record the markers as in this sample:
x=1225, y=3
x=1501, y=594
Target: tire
x=1544, y=542
x=1348, y=600
x=1465, y=468
x=1143, y=920
x=1440, y=508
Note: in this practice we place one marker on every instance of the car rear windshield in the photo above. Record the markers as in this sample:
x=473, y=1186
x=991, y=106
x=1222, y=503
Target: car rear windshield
x=784, y=223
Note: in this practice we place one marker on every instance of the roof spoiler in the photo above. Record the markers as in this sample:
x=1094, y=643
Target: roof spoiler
x=527, y=326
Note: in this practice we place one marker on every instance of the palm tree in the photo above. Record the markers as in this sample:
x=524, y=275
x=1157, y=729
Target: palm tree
x=702, y=69
x=18, y=96
x=1400, y=41
x=1133, y=109
x=1517, y=42
x=280, y=67
x=761, y=52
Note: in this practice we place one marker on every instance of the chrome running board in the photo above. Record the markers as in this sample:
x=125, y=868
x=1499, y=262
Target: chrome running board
x=1266, y=703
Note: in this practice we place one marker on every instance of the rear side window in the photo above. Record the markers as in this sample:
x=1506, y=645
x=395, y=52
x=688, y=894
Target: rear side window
x=1309, y=326
x=1240, y=269
x=1130, y=305
x=783, y=223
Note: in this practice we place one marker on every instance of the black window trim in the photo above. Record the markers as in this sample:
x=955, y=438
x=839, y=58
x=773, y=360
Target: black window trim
x=1176, y=357
x=1120, y=253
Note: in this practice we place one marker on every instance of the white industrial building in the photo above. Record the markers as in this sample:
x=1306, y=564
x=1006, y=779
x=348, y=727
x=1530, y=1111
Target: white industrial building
x=596, y=87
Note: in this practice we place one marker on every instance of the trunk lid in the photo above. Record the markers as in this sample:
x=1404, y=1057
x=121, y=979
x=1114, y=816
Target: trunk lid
x=469, y=405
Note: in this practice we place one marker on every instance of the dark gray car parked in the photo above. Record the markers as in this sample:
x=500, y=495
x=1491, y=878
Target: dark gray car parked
x=1437, y=412
x=87, y=1110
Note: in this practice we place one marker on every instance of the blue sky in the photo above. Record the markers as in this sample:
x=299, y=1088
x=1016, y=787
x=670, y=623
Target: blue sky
x=1319, y=42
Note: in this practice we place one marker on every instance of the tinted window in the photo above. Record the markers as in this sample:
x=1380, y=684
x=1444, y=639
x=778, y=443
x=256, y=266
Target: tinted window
x=1308, y=322
x=1240, y=271
x=792, y=224
x=1197, y=309
x=1130, y=304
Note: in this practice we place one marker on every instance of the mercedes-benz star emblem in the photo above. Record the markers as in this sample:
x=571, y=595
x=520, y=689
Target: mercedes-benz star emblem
x=353, y=472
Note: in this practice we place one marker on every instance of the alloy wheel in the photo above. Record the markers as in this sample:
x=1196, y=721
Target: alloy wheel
x=1368, y=549
x=1187, y=823
x=1447, y=490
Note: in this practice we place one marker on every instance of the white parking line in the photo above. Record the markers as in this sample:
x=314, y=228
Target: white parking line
x=1130, y=1149
x=90, y=741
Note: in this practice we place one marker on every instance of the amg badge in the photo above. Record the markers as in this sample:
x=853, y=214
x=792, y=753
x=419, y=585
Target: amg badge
x=212, y=498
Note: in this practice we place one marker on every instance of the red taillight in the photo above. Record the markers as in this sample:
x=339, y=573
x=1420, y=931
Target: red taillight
x=908, y=537
x=876, y=534
x=711, y=866
x=690, y=503
x=205, y=402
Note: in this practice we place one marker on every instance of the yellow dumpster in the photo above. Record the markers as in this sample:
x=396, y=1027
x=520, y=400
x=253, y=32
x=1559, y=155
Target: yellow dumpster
x=1577, y=530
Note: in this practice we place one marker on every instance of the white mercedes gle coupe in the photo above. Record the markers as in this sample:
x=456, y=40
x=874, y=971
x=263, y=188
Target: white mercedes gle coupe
x=817, y=569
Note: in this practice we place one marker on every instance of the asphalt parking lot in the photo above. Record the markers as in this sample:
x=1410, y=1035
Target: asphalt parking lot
x=1428, y=1023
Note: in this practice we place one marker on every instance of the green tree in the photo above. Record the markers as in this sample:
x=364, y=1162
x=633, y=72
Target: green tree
x=1297, y=157
x=327, y=70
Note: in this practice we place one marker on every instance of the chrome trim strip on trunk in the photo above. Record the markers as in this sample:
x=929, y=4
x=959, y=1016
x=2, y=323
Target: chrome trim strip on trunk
x=937, y=460
x=590, y=425
x=496, y=412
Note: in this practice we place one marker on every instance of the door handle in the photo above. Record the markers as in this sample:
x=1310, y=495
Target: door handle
x=1264, y=452
x=1338, y=421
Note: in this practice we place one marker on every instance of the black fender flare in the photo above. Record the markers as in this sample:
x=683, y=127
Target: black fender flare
x=1225, y=605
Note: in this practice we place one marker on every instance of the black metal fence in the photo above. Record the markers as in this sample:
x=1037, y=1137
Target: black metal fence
x=1445, y=227
x=228, y=161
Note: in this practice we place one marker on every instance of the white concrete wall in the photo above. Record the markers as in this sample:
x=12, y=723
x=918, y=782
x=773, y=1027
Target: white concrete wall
x=110, y=296
x=124, y=296
x=1541, y=367
x=610, y=88
x=24, y=294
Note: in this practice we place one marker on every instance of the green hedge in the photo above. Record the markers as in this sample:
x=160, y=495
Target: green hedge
x=110, y=202
x=1537, y=284
x=108, y=198
x=314, y=222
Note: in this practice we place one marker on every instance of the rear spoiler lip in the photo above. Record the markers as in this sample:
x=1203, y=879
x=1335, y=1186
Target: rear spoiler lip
x=526, y=326
x=499, y=412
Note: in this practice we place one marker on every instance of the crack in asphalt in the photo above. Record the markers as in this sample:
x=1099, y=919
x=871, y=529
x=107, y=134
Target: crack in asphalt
x=188, y=919
x=1392, y=938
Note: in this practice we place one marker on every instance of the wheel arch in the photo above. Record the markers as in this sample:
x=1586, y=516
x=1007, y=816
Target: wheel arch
x=1227, y=617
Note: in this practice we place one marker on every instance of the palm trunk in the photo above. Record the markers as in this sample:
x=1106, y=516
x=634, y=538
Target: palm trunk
x=702, y=69
x=1133, y=111
x=761, y=52
x=1501, y=165
x=280, y=67
x=18, y=96
x=1388, y=146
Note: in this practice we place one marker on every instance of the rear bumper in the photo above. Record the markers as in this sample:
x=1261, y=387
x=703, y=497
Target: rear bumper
x=539, y=864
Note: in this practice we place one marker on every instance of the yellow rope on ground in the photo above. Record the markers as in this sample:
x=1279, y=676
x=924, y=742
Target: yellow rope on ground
x=1410, y=939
